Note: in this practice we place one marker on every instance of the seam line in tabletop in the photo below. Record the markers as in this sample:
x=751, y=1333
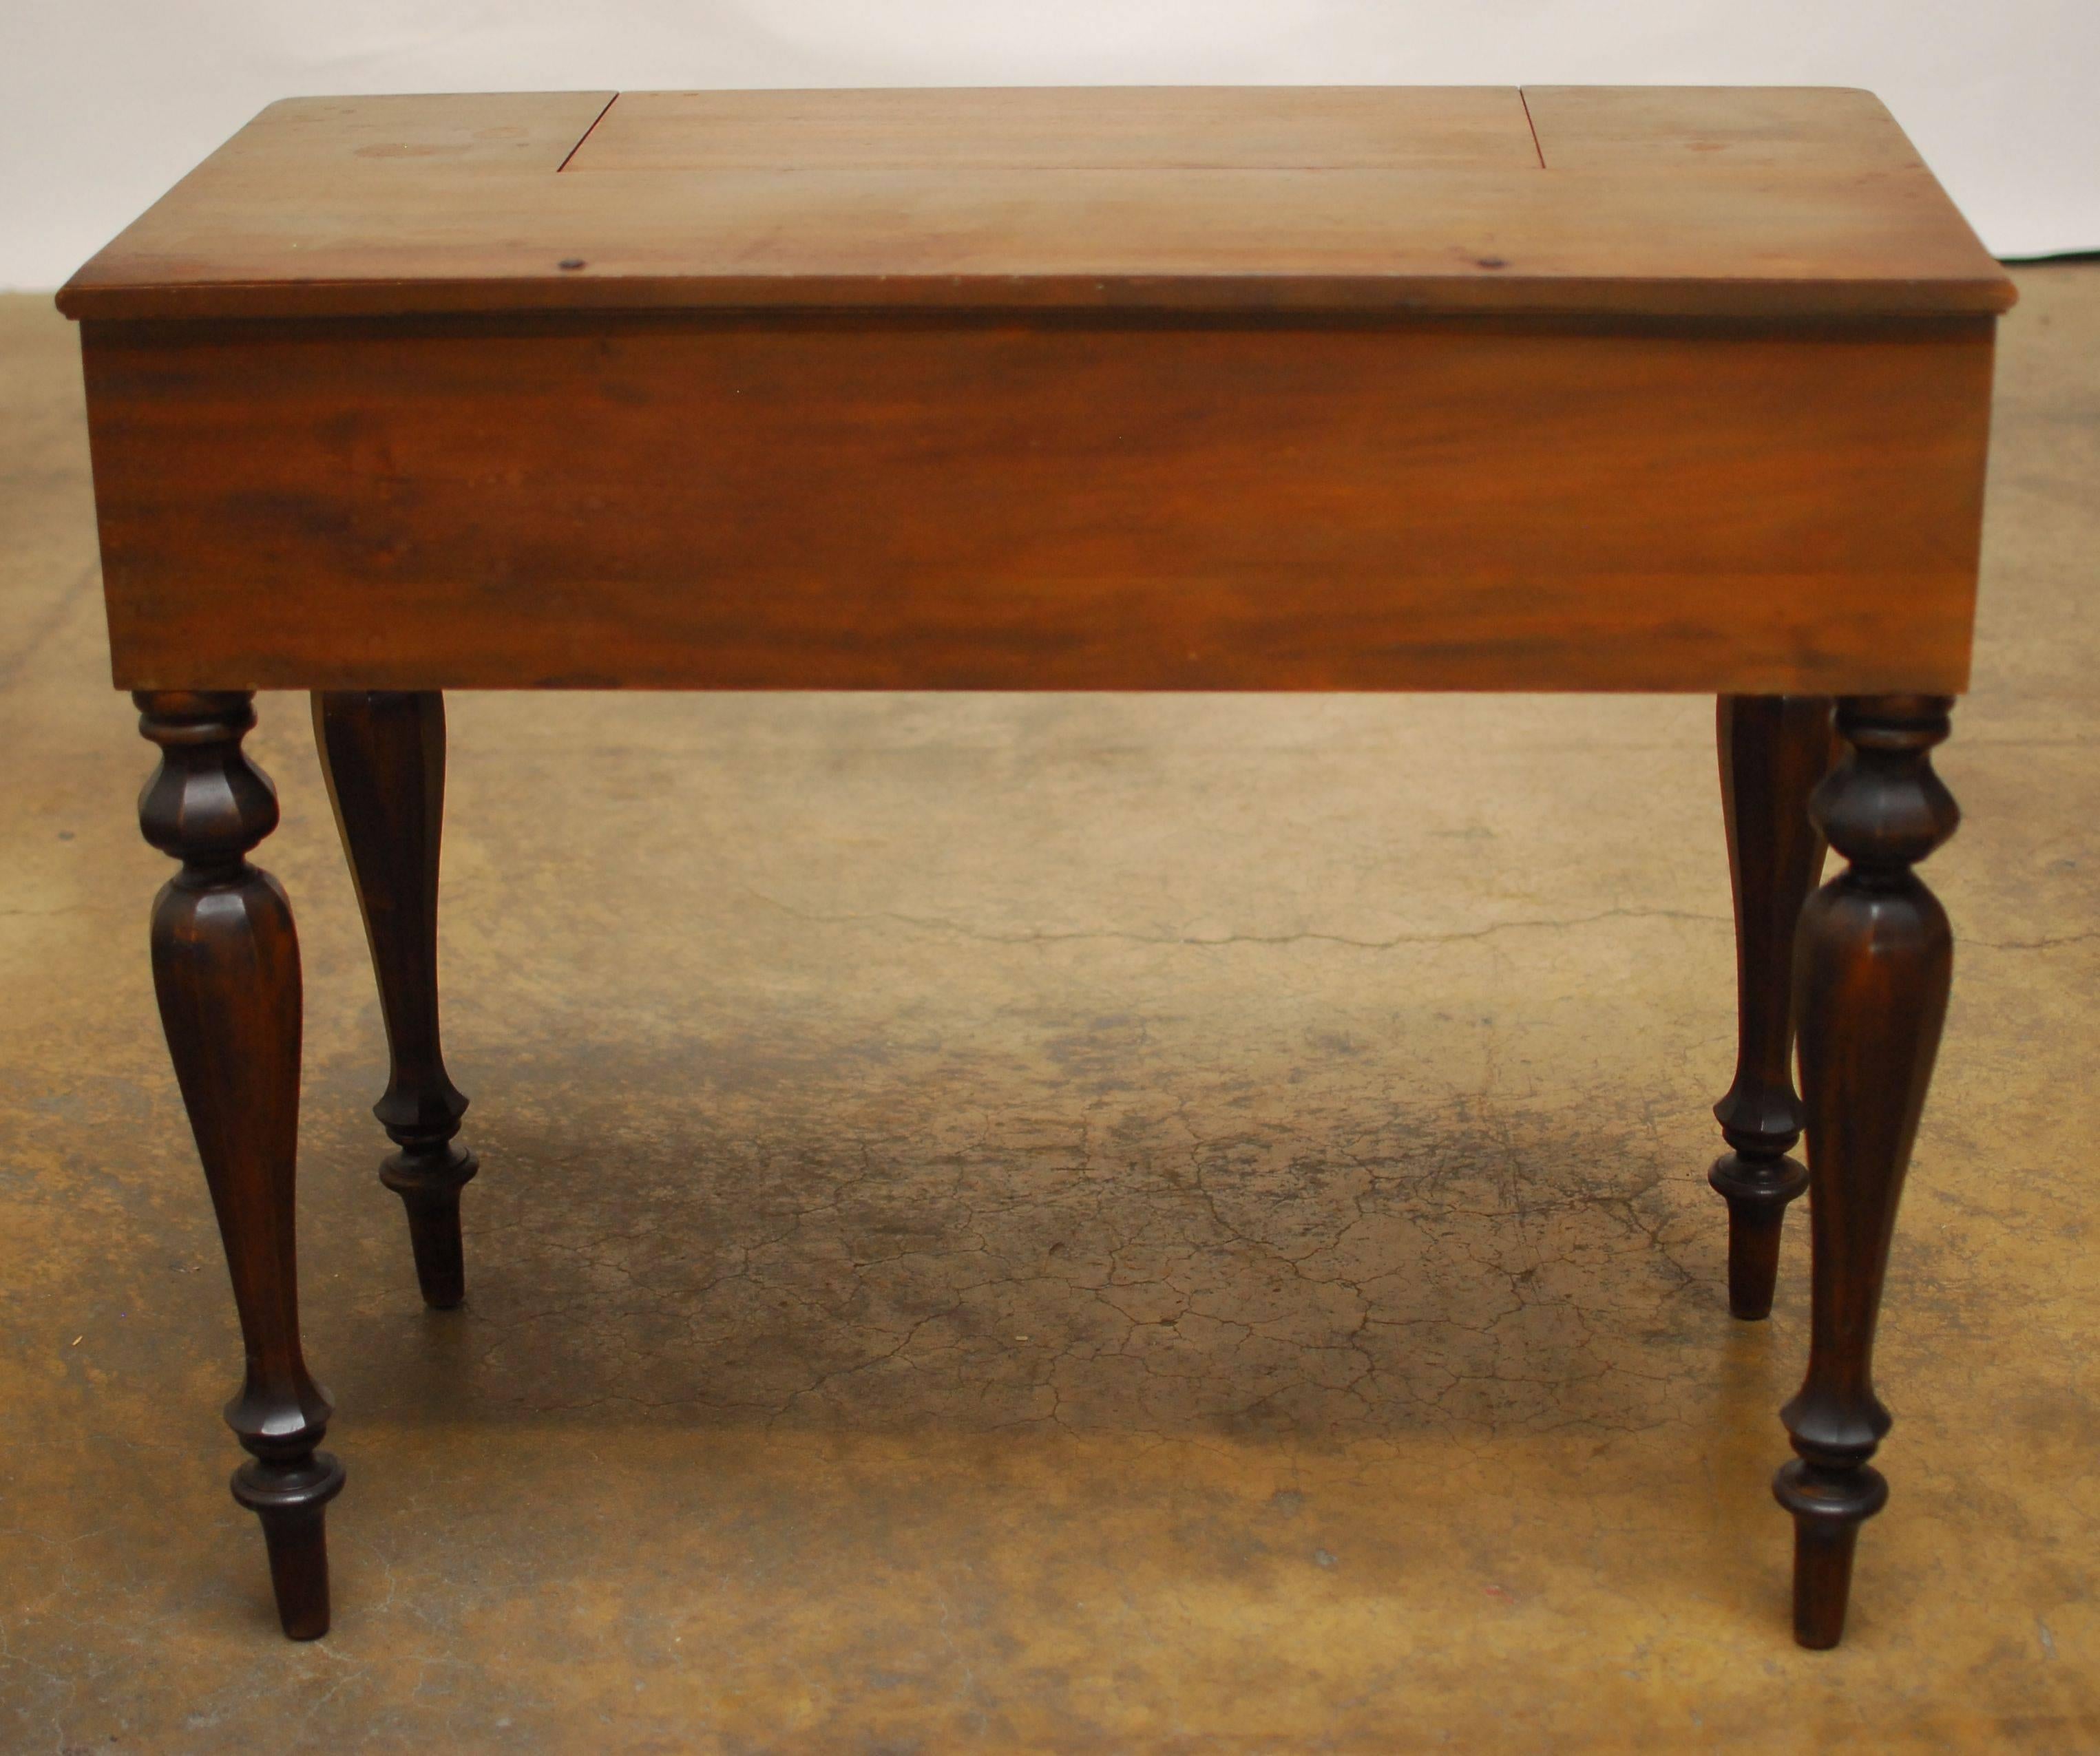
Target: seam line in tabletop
x=1523, y=97
x=600, y=115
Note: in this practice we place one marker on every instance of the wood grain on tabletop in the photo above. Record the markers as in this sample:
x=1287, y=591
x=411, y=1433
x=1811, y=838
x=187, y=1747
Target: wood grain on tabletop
x=1681, y=201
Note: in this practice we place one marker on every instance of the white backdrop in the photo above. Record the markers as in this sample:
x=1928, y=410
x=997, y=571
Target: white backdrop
x=104, y=102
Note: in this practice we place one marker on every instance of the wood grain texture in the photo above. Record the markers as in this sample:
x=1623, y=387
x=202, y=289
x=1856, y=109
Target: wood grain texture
x=1050, y=128
x=1703, y=130
x=838, y=505
x=1394, y=200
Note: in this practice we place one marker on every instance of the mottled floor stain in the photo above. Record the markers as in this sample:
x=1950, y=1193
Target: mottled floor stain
x=1057, y=1224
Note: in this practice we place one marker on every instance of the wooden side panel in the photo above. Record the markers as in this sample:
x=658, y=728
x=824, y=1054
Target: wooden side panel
x=872, y=505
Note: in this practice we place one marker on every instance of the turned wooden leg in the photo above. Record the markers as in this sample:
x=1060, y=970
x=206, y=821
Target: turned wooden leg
x=226, y=966
x=1773, y=749
x=384, y=757
x=1872, y=963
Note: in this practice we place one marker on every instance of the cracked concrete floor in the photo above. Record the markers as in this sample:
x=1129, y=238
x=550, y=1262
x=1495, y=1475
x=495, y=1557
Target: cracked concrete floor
x=1064, y=1223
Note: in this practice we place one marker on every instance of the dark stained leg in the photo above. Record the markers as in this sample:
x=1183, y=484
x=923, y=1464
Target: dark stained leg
x=225, y=966
x=384, y=757
x=1872, y=963
x=1773, y=749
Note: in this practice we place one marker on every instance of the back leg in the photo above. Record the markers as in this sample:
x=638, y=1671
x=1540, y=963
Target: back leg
x=383, y=754
x=1773, y=749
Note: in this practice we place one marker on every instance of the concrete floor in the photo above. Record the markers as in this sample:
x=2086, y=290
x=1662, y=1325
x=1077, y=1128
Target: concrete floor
x=1063, y=1223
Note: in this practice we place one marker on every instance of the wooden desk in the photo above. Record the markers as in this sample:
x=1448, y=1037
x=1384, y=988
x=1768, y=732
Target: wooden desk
x=1430, y=388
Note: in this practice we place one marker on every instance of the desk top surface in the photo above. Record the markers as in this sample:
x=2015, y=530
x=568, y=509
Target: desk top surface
x=1670, y=202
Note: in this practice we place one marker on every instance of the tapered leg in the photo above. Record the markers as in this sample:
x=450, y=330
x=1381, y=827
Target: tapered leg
x=1872, y=963
x=226, y=966
x=384, y=756
x=1773, y=749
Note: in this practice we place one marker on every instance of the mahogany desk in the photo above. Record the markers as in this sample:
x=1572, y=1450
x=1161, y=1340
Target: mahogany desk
x=1429, y=389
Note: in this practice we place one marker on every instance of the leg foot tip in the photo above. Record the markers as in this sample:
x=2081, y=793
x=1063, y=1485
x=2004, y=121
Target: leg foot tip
x=1756, y=1190
x=1828, y=1505
x=429, y=1181
x=292, y=1501
x=440, y=1259
x=306, y=1624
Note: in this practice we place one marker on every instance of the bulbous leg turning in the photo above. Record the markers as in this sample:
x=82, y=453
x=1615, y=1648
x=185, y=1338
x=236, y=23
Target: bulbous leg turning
x=1873, y=961
x=226, y=969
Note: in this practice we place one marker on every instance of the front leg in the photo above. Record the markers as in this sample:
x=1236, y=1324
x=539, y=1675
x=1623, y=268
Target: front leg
x=1872, y=964
x=1774, y=748
x=383, y=756
x=226, y=966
